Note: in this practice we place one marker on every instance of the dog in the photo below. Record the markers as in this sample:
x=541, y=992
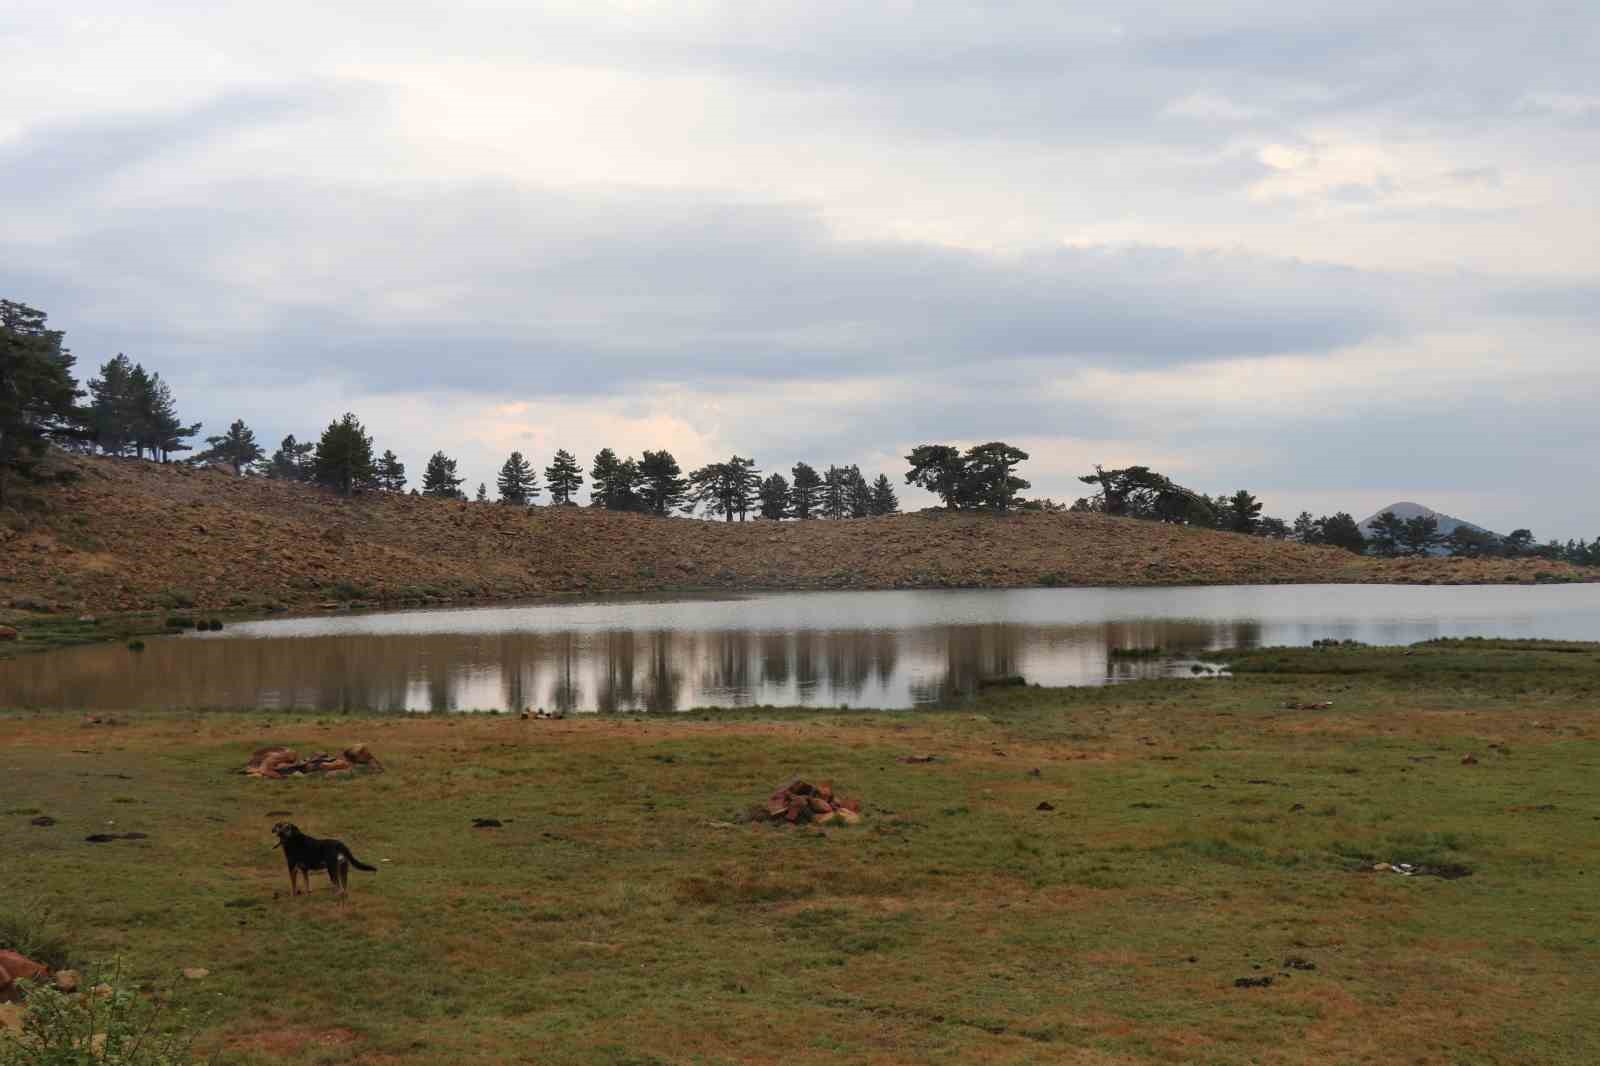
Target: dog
x=305, y=853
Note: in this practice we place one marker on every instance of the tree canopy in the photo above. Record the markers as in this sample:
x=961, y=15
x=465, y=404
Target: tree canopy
x=38, y=394
x=563, y=476
x=237, y=447
x=343, y=459
x=517, y=484
x=439, y=478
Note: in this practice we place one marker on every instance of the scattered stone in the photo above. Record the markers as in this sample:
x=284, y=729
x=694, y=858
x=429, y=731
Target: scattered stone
x=275, y=763
x=918, y=758
x=68, y=980
x=1045, y=805
x=106, y=838
x=800, y=801
x=1469, y=759
x=1294, y=705
x=1295, y=962
x=486, y=823
x=43, y=820
x=1253, y=982
x=196, y=973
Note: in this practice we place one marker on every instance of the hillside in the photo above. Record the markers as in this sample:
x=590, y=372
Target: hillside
x=129, y=535
x=1406, y=511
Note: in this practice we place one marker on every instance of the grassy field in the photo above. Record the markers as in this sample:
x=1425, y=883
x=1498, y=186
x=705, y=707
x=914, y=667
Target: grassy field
x=625, y=912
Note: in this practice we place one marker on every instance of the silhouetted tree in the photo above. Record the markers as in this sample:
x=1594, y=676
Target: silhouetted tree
x=1276, y=528
x=1386, y=534
x=613, y=482
x=516, y=482
x=884, y=500
x=483, y=493
x=1244, y=512
x=726, y=488
x=38, y=394
x=803, y=493
x=834, y=502
x=439, y=479
x=857, y=492
x=988, y=478
x=391, y=472
x=159, y=428
x=237, y=448
x=112, y=411
x=1420, y=535
x=1517, y=542
x=662, y=486
x=939, y=469
x=564, y=476
x=1306, y=530
x=1470, y=542
x=774, y=497
x=344, y=457
x=293, y=461
x=1341, y=531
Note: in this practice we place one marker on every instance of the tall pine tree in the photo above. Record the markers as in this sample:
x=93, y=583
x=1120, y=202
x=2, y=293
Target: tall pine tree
x=391, y=472
x=564, y=476
x=774, y=497
x=293, y=461
x=38, y=394
x=344, y=457
x=439, y=480
x=884, y=500
x=516, y=482
x=237, y=448
x=803, y=495
x=661, y=482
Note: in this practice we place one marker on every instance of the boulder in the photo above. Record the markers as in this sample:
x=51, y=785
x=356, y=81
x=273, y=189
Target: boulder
x=819, y=805
x=68, y=980
x=14, y=968
x=8, y=633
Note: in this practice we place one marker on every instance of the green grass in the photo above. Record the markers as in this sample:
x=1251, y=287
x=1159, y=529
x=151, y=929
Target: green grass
x=626, y=912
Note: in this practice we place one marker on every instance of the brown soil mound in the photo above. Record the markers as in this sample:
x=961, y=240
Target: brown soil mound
x=131, y=535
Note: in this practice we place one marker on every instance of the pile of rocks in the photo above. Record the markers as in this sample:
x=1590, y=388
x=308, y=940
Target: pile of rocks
x=276, y=763
x=799, y=801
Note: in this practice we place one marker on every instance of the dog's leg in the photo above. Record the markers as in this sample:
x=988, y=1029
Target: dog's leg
x=294, y=883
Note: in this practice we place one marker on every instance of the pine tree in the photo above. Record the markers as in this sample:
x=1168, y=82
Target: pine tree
x=564, y=476
x=439, y=479
x=237, y=448
x=803, y=494
x=1244, y=511
x=344, y=457
x=516, y=482
x=774, y=498
x=939, y=469
x=988, y=477
x=38, y=394
x=293, y=461
x=112, y=406
x=391, y=472
x=1388, y=529
x=613, y=482
x=884, y=500
x=483, y=493
x=835, y=499
x=159, y=427
x=857, y=492
x=661, y=482
x=726, y=488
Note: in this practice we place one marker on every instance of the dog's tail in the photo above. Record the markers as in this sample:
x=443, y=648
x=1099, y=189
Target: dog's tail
x=357, y=863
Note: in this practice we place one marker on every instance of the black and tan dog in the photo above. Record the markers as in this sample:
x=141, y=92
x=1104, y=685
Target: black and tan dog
x=305, y=854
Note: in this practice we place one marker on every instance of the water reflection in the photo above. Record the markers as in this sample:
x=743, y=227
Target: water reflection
x=855, y=649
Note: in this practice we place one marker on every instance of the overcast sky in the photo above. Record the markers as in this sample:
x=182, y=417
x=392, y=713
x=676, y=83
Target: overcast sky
x=1340, y=254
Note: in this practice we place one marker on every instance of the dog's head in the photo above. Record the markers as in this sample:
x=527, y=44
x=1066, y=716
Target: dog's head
x=284, y=831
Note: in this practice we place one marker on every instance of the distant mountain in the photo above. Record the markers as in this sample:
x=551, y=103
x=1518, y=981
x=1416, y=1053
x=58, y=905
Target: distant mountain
x=1407, y=511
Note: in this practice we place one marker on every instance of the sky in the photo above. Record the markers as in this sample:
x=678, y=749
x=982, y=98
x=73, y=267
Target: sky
x=1339, y=254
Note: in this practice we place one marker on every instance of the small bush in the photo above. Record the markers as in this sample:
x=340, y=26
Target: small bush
x=26, y=928
x=176, y=597
x=136, y=645
x=119, y=1029
x=180, y=621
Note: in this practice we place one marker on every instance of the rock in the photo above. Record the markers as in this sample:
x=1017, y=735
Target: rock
x=830, y=818
x=68, y=980
x=361, y=755
x=8, y=633
x=10, y=1017
x=845, y=815
x=820, y=805
x=14, y=968
x=1045, y=805
x=797, y=808
x=102, y=991
x=1469, y=759
x=486, y=823
x=851, y=805
x=43, y=820
x=777, y=805
x=825, y=790
x=196, y=973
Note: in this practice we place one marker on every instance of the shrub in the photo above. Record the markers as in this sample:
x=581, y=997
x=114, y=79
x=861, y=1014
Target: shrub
x=136, y=645
x=97, y=1029
x=26, y=928
x=176, y=597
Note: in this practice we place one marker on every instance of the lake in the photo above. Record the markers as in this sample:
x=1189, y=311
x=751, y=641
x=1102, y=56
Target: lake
x=861, y=649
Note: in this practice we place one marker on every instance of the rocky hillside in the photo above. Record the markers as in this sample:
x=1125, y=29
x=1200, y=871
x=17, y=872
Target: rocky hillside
x=128, y=535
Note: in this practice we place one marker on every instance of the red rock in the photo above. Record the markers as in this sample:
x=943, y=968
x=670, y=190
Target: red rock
x=14, y=968
x=825, y=790
x=820, y=805
x=851, y=805
x=846, y=815
x=800, y=788
x=8, y=633
x=778, y=804
x=797, y=808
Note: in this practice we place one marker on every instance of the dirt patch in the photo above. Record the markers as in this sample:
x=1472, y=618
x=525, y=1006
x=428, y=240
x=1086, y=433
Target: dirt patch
x=294, y=1041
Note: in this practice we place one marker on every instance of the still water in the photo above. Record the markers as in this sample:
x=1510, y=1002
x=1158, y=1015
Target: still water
x=863, y=649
